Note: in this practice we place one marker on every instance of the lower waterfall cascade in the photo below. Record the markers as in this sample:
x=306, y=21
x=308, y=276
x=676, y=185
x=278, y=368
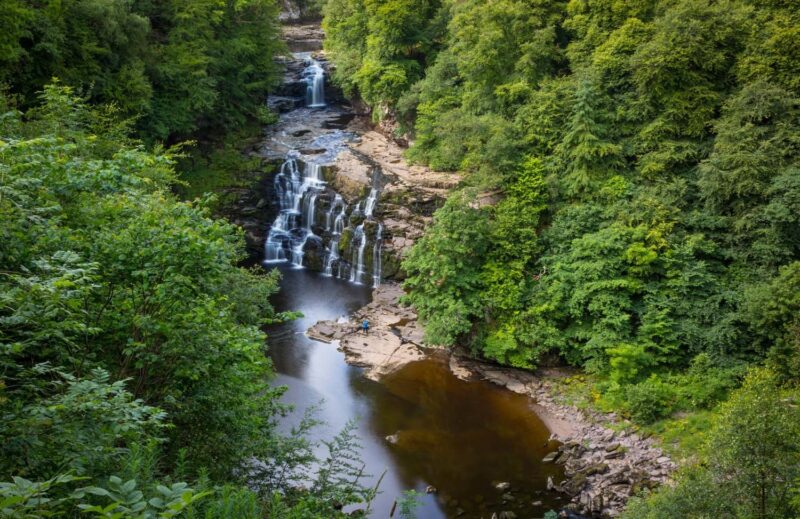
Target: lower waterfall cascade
x=310, y=211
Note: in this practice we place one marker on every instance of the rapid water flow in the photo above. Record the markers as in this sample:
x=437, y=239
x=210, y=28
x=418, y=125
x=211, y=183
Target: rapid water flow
x=313, y=222
x=315, y=77
x=357, y=270
x=376, y=257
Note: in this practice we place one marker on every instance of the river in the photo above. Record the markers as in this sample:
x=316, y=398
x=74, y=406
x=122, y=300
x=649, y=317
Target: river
x=460, y=437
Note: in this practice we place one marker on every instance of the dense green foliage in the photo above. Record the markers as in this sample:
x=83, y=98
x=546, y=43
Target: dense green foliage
x=176, y=66
x=634, y=192
x=381, y=47
x=131, y=355
x=753, y=460
x=631, y=205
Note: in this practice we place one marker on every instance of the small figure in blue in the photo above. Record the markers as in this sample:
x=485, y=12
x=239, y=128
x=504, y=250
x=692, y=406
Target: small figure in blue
x=365, y=327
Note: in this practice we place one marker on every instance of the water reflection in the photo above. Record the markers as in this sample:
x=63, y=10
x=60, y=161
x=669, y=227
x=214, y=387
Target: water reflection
x=460, y=437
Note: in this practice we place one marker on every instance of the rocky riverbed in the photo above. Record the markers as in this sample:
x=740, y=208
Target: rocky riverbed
x=603, y=467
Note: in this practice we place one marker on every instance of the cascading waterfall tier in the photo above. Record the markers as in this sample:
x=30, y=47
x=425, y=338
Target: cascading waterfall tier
x=297, y=186
x=310, y=211
x=315, y=78
x=357, y=264
x=376, y=257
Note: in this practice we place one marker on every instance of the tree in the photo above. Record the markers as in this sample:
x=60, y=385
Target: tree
x=444, y=270
x=177, y=67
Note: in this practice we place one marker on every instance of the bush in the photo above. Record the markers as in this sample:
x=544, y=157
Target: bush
x=751, y=465
x=650, y=400
x=704, y=384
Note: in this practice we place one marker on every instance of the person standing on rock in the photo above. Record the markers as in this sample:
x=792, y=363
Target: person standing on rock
x=365, y=327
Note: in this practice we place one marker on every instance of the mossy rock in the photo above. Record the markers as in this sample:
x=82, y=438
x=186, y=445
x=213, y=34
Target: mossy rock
x=344, y=241
x=391, y=265
x=355, y=219
x=595, y=468
x=329, y=173
x=574, y=485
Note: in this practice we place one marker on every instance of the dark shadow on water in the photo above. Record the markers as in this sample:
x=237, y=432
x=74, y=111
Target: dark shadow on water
x=460, y=437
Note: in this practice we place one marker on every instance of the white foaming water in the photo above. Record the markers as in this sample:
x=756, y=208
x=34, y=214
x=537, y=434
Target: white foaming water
x=315, y=79
x=369, y=205
x=357, y=270
x=376, y=257
x=333, y=257
x=297, y=190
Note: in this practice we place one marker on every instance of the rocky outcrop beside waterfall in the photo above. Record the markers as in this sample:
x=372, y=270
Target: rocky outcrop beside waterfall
x=409, y=197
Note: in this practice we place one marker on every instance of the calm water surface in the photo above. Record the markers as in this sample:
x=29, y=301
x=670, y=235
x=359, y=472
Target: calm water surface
x=460, y=437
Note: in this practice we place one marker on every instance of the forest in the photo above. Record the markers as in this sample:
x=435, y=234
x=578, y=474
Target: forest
x=632, y=205
x=176, y=68
x=630, y=208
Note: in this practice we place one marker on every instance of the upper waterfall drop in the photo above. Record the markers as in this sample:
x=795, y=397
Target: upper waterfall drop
x=315, y=78
x=377, y=262
x=369, y=204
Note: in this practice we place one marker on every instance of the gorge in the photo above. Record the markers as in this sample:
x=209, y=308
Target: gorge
x=344, y=204
x=339, y=217
x=325, y=259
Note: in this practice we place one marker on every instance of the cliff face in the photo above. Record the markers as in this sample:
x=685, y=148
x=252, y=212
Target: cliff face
x=295, y=11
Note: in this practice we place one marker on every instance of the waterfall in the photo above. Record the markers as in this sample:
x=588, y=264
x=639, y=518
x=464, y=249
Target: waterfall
x=298, y=252
x=330, y=223
x=287, y=187
x=297, y=198
x=333, y=256
x=278, y=235
x=338, y=224
x=376, y=257
x=315, y=79
x=299, y=187
x=357, y=265
x=309, y=210
x=369, y=205
x=314, y=173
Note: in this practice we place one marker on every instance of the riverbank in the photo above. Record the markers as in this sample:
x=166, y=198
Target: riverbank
x=603, y=463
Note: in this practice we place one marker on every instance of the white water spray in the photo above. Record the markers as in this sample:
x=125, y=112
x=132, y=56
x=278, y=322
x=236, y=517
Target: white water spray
x=376, y=257
x=315, y=79
x=297, y=190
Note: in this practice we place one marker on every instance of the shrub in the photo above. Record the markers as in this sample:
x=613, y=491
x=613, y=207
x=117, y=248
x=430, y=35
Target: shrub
x=650, y=400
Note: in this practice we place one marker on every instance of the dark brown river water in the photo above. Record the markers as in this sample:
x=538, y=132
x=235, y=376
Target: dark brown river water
x=460, y=437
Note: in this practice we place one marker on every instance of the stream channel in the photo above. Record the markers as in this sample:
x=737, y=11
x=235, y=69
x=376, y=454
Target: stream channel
x=479, y=445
